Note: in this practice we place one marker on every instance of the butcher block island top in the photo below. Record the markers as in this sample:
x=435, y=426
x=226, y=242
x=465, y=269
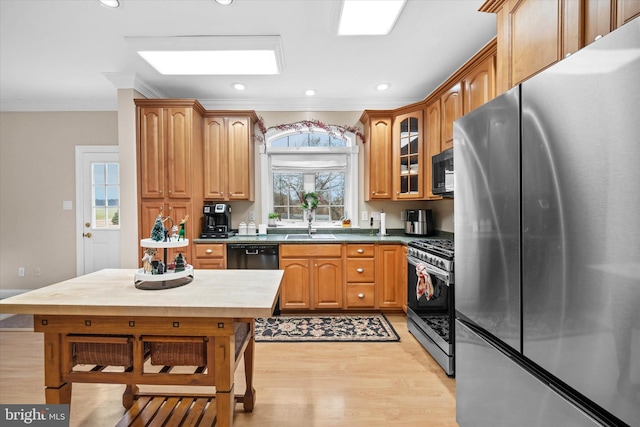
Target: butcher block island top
x=111, y=292
x=132, y=336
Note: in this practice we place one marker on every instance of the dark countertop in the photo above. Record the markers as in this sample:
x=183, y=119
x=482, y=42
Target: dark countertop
x=342, y=236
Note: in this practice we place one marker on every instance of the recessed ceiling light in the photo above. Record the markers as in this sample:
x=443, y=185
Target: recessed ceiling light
x=112, y=4
x=309, y=92
x=238, y=86
x=224, y=2
x=382, y=86
x=213, y=62
x=369, y=17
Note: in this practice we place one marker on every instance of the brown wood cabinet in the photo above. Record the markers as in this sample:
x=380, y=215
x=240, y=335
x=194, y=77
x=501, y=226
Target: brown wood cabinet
x=389, y=279
x=534, y=34
x=408, y=156
x=177, y=210
x=378, y=151
x=353, y=276
x=165, y=146
x=295, y=291
x=313, y=276
x=327, y=283
x=210, y=256
x=626, y=11
x=229, y=156
x=433, y=142
x=421, y=130
x=479, y=85
x=404, y=291
x=169, y=150
x=360, y=268
x=451, y=110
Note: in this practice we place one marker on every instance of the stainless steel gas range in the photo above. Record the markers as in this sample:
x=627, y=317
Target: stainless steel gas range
x=430, y=305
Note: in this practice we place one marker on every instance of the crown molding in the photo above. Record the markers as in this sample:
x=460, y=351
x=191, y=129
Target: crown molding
x=133, y=81
x=295, y=104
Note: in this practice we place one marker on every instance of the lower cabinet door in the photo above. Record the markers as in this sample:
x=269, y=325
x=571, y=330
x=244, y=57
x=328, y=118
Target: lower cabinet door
x=327, y=283
x=295, y=292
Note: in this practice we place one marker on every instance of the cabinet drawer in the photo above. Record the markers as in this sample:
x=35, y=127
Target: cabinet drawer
x=360, y=251
x=361, y=295
x=214, y=250
x=360, y=270
x=209, y=264
x=314, y=250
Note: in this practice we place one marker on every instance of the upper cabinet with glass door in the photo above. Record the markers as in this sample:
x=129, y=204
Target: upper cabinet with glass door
x=408, y=162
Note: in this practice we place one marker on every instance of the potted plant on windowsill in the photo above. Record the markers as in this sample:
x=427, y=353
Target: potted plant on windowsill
x=273, y=217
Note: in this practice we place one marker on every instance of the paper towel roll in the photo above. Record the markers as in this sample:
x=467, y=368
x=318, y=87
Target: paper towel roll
x=383, y=225
x=262, y=229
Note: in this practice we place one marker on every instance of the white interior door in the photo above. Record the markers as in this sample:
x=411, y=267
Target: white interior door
x=98, y=208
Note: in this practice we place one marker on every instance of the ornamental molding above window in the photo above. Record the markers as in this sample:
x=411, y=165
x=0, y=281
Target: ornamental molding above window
x=305, y=126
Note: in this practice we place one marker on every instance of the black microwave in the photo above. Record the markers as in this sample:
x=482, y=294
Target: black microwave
x=442, y=170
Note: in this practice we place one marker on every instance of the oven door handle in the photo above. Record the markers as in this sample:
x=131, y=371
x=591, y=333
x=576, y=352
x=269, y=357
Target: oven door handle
x=443, y=275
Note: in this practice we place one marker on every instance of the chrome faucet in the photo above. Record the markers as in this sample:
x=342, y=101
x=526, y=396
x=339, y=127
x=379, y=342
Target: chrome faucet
x=309, y=226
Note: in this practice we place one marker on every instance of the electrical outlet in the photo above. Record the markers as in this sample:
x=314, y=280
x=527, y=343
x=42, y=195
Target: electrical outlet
x=365, y=216
x=375, y=215
x=38, y=272
x=252, y=216
x=21, y=271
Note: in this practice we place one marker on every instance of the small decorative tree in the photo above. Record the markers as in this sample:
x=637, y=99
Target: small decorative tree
x=157, y=232
x=115, y=219
x=180, y=263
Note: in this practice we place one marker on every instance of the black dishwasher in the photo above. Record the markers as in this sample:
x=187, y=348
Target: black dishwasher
x=252, y=256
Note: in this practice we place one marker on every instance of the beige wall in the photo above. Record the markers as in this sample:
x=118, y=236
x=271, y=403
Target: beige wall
x=37, y=173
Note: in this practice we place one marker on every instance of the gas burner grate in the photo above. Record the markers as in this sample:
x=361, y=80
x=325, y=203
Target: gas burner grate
x=440, y=247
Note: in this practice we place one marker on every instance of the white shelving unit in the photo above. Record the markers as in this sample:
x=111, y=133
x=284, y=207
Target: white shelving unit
x=169, y=279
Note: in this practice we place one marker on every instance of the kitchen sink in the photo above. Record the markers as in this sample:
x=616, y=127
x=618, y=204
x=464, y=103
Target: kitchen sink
x=312, y=237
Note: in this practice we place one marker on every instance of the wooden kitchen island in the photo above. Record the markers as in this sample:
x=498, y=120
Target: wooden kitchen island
x=99, y=328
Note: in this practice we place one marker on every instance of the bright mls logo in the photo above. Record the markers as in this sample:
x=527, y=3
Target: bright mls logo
x=34, y=415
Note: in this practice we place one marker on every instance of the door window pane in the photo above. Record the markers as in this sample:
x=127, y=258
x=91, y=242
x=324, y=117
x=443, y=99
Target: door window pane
x=105, y=190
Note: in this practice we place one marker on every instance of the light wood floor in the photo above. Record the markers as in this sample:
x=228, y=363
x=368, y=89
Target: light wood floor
x=297, y=384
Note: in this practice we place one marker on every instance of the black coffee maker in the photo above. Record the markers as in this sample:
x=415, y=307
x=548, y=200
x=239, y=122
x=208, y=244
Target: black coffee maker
x=216, y=222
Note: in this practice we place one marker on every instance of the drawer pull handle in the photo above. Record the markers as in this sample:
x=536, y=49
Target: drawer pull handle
x=209, y=251
x=360, y=270
x=360, y=251
x=360, y=295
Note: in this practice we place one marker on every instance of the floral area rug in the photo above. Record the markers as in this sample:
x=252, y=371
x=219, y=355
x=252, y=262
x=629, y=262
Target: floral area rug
x=327, y=328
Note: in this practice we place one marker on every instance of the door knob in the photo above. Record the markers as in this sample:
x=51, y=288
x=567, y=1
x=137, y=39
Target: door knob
x=87, y=224
x=86, y=235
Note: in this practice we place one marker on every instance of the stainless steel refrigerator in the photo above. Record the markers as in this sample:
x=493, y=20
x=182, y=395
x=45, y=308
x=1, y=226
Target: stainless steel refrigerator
x=547, y=238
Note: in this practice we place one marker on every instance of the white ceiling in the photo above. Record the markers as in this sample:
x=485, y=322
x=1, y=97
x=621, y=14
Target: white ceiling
x=72, y=55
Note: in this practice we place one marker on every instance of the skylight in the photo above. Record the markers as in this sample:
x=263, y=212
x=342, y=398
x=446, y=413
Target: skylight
x=369, y=17
x=211, y=55
x=221, y=62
